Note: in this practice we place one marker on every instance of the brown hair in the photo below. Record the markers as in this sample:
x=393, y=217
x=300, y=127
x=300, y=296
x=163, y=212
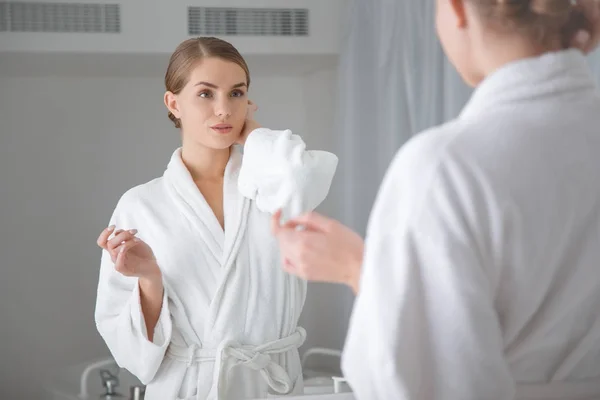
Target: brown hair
x=187, y=55
x=542, y=20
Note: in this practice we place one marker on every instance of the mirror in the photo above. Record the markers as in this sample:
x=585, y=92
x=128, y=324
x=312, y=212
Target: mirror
x=86, y=141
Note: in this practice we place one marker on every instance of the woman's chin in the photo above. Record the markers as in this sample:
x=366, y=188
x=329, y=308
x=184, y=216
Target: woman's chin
x=214, y=140
x=221, y=142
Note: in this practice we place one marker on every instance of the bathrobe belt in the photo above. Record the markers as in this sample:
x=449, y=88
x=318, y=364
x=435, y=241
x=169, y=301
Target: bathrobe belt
x=230, y=353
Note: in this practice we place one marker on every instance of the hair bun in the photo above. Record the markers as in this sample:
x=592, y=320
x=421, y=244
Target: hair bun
x=540, y=8
x=551, y=8
x=542, y=20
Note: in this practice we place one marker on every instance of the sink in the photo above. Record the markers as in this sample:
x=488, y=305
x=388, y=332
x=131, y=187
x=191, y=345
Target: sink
x=66, y=385
x=339, y=396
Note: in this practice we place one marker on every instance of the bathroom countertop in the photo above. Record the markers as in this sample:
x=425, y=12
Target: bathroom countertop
x=340, y=396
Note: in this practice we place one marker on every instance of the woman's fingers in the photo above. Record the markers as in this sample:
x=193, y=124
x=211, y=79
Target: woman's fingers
x=276, y=222
x=307, y=253
x=587, y=38
x=103, y=238
x=120, y=238
x=114, y=252
x=312, y=221
x=120, y=260
x=301, y=248
x=581, y=40
x=252, y=106
x=291, y=268
x=121, y=257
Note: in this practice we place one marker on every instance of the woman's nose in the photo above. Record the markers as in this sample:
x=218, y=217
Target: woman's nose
x=223, y=109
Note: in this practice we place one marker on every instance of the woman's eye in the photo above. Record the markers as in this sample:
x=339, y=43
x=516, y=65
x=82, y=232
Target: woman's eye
x=237, y=93
x=205, y=94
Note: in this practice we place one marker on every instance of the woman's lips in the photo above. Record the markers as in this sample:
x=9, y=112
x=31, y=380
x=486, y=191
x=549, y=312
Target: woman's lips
x=222, y=128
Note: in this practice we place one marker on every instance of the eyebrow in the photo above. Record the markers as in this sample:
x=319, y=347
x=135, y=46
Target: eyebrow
x=212, y=85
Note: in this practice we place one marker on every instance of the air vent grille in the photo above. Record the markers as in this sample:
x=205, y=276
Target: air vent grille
x=59, y=17
x=217, y=21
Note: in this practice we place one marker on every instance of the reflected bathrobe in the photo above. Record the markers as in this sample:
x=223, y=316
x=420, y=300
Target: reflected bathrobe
x=228, y=324
x=481, y=278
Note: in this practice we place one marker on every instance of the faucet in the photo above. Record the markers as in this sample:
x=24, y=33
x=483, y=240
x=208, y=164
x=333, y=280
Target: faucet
x=137, y=392
x=83, y=385
x=109, y=382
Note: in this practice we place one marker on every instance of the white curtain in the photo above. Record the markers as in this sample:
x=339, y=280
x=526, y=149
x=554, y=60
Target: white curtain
x=394, y=82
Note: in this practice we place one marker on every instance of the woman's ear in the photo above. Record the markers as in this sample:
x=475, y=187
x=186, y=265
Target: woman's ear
x=171, y=103
x=460, y=13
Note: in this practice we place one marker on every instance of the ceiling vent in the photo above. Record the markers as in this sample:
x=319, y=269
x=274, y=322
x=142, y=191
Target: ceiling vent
x=221, y=21
x=59, y=17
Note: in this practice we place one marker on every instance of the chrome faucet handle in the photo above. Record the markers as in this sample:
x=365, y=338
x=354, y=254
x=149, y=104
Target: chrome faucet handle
x=137, y=392
x=109, y=382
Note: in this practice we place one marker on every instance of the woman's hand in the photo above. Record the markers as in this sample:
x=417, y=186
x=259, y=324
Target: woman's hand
x=321, y=250
x=588, y=38
x=131, y=256
x=250, y=124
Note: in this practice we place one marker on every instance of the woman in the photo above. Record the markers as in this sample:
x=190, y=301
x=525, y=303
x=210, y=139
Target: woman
x=480, y=277
x=191, y=296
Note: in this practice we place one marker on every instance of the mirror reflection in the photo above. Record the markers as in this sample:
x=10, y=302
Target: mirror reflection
x=149, y=175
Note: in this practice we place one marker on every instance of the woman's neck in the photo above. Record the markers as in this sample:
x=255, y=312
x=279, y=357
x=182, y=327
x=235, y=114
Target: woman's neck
x=497, y=53
x=205, y=163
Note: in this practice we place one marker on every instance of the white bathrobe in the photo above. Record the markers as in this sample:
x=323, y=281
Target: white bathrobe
x=481, y=278
x=228, y=323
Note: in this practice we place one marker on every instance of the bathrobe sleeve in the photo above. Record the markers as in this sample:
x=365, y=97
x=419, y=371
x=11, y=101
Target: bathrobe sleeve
x=118, y=314
x=424, y=324
x=278, y=172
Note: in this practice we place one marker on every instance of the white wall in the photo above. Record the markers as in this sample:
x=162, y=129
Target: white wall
x=69, y=147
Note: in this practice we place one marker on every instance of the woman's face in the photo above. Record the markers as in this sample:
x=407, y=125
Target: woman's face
x=213, y=105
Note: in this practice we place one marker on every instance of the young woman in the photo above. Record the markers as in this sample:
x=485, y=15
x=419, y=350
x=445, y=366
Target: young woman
x=481, y=274
x=191, y=297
